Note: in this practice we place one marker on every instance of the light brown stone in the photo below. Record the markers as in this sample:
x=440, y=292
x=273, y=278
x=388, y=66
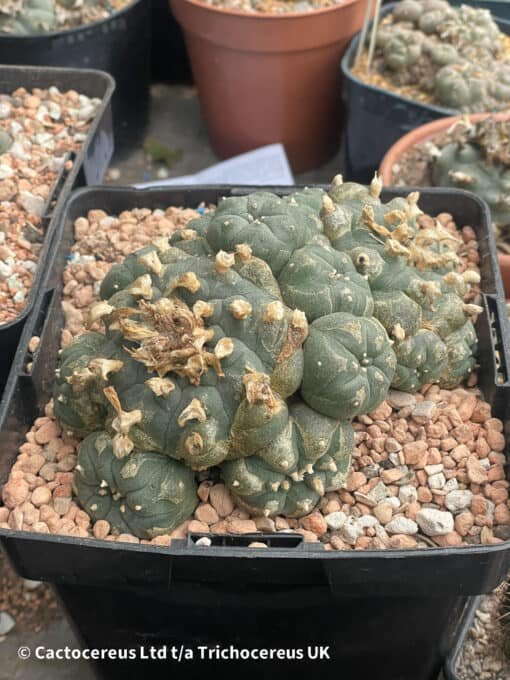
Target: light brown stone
x=475, y=470
x=197, y=527
x=47, y=432
x=496, y=440
x=207, y=514
x=242, y=526
x=392, y=475
x=402, y=541
x=447, y=540
x=415, y=454
x=221, y=500
x=463, y=522
x=355, y=481
x=101, y=528
x=502, y=514
x=315, y=523
x=41, y=496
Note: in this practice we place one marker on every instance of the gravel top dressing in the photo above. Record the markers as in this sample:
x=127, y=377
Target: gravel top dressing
x=428, y=469
x=39, y=130
x=273, y=6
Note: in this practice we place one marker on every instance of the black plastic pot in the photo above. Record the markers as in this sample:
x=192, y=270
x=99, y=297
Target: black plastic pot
x=169, y=61
x=119, y=45
x=89, y=167
x=377, y=118
x=452, y=662
x=386, y=615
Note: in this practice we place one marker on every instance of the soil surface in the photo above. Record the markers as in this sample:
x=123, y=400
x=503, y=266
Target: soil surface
x=273, y=6
x=483, y=656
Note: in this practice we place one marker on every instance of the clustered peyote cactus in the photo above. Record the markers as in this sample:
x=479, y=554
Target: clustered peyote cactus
x=30, y=17
x=249, y=342
x=478, y=159
x=454, y=54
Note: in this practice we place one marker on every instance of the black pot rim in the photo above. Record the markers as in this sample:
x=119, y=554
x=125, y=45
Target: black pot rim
x=72, y=31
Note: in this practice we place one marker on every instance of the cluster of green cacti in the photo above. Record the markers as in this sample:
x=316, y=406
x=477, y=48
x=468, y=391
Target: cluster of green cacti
x=249, y=342
x=455, y=54
x=478, y=159
x=30, y=17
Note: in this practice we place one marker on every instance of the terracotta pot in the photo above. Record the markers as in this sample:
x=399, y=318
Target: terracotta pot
x=265, y=78
x=420, y=135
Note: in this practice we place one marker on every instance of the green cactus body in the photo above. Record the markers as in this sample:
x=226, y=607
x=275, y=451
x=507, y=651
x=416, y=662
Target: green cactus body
x=249, y=341
x=417, y=299
x=478, y=160
x=454, y=54
x=145, y=494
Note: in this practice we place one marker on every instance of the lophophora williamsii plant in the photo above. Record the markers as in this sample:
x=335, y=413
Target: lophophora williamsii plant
x=455, y=54
x=30, y=17
x=477, y=158
x=250, y=341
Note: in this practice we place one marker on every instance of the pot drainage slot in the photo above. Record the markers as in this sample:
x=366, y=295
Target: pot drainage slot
x=501, y=369
x=254, y=540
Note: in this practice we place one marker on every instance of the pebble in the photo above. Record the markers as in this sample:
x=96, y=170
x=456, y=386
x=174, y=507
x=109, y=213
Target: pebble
x=41, y=496
x=402, y=542
x=221, y=500
x=407, y=494
x=315, y=523
x=391, y=476
x=424, y=411
x=378, y=492
x=350, y=531
x=355, y=481
x=434, y=469
x=383, y=512
x=204, y=540
x=402, y=525
x=435, y=522
x=437, y=481
x=7, y=623
x=101, y=528
x=335, y=520
x=15, y=493
x=207, y=514
x=476, y=472
x=398, y=400
x=50, y=430
x=464, y=522
x=458, y=500
x=416, y=454
x=242, y=526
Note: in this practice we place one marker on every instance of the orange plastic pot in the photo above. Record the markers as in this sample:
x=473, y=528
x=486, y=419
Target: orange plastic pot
x=265, y=78
x=422, y=134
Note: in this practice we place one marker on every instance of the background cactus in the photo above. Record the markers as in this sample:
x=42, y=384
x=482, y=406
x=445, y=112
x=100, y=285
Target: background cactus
x=27, y=17
x=30, y=17
x=456, y=55
x=478, y=159
x=249, y=342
